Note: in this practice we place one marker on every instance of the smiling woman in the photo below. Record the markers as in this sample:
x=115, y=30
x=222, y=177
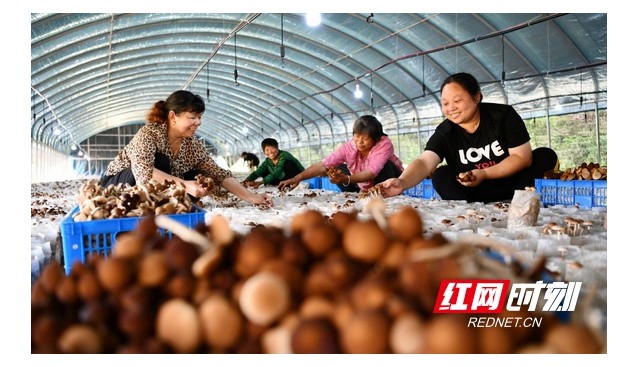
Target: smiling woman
x=357, y=164
x=166, y=149
x=485, y=146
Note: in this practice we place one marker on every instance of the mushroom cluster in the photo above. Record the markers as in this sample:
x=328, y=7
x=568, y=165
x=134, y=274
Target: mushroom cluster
x=572, y=227
x=465, y=177
x=123, y=200
x=373, y=192
x=334, y=173
x=211, y=188
x=339, y=284
x=585, y=171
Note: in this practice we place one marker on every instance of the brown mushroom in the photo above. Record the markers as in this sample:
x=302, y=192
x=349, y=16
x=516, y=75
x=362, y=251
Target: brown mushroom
x=264, y=298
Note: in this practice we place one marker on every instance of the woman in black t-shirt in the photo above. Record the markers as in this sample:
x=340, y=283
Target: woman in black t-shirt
x=485, y=145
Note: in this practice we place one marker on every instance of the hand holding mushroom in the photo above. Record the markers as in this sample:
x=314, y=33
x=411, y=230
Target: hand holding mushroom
x=471, y=178
x=337, y=176
x=290, y=183
x=391, y=187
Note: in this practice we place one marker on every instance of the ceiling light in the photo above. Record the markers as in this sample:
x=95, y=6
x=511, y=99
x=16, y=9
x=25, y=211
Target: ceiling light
x=313, y=19
x=357, y=91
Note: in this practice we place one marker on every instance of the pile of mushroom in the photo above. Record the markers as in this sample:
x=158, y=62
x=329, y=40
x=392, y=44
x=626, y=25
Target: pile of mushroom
x=586, y=171
x=120, y=201
x=342, y=284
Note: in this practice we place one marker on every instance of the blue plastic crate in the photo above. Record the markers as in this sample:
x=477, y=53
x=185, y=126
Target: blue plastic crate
x=428, y=190
x=584, y=193
x=80, y=240
x=314, y=183
x=415, y=191
x=327, y=185
x=423, y=189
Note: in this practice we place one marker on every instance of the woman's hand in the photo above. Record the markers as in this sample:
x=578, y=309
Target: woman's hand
x=253, y=184
x=260, y=199
x=471, y=178
x=195, y=189
x=291, y=183
x=391, y=187
x=339, y=178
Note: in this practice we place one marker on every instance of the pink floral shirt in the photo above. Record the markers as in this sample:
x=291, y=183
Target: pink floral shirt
x=380, y=153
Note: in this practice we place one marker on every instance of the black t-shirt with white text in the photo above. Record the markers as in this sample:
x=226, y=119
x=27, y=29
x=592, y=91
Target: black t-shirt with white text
x=501, y=128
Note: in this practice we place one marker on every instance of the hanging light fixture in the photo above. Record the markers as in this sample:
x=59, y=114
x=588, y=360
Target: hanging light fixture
x=371, y=95
x=313, y=19
x=332, y=113
x=236, y=72
x=357, y=91
x=207, y=88
x=581, y=91
x=423, y=76
x=33, y=108
x=282, y=49
x=503, y=61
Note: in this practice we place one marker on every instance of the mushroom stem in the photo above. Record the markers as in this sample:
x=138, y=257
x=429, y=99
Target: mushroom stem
x=427, y=254
x=182, y=231
x=376, y=207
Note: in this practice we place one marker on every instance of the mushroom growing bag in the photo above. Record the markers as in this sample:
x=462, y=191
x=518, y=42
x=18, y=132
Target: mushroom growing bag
x=523, y=211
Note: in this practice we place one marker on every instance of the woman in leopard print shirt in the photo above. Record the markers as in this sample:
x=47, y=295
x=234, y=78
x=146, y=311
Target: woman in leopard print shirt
x=166, y=149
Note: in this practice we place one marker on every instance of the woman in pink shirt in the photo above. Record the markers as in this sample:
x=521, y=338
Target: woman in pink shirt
x=357, y=164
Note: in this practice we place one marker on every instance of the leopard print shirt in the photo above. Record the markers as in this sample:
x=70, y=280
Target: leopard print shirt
x=139, y=155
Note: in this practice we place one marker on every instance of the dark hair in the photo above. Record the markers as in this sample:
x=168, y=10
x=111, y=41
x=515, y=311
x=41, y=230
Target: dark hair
x=370, y=126
x=269, y=142
x=179, y=101
x=466, y=81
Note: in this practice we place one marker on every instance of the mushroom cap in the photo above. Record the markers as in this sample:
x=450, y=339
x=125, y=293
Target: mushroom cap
x=221, y=321
x=80, y=338
x=178, y=326
x=405, y=224
x=364, y=241
x=264, y=298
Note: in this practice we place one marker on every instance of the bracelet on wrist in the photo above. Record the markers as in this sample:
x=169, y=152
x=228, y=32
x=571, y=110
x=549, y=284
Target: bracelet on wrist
x=348, y=184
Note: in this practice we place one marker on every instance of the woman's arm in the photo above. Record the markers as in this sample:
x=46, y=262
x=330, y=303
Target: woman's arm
x=420, y=169
x=259, y=172
x=192, y=187
x=361, y=176
x=234, y=186
x=317, y=169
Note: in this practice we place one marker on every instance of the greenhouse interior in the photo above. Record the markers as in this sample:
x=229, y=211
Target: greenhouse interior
x=350, y=266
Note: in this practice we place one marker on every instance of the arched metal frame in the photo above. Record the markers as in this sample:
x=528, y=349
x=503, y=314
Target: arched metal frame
x=94, y=72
